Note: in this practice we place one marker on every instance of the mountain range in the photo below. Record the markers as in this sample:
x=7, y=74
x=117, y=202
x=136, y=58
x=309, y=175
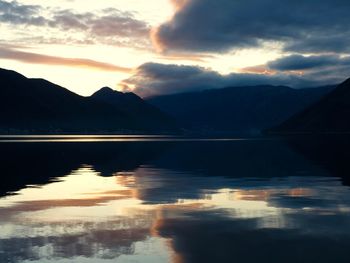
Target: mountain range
x=143, y=113
x=239, y=109
x=39, y=106
x=328, y=115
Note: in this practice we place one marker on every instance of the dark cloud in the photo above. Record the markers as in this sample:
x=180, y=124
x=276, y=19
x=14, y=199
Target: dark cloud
x=335, y=43
x=299, y=62
x=206, y=25
x=155, y=79
x=324, y=68
x=296, y=71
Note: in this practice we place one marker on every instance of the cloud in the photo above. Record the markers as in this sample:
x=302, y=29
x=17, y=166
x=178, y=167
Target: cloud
x=299, y=62
x=108, y=26
x=108, y=22
x=185, y=56
x=20, y=14
x=222, y=25
x=158, y=79
x=324, y=69
x=34, y=58
x=333, y=43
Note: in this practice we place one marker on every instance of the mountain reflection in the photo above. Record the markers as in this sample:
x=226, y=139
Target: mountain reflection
x=249, y=200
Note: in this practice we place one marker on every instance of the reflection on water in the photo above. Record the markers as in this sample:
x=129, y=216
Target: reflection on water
x=102, y=138
x=189, y=201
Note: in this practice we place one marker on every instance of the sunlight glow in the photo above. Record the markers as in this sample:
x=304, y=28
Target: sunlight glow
x=72, y=76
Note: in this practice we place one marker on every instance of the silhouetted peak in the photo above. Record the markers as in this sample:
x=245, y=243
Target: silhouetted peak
x=328, y=115
x=10, y=74
x=346, y=83
x=341, y=92
x=109, y=92
x=35, y=105
x=106, y=91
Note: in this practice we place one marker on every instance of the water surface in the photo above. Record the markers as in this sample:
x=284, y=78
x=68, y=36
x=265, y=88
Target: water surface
x=161, y=199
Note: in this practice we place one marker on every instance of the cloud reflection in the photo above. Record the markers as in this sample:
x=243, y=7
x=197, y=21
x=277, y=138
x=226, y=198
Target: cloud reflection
x=169, y=211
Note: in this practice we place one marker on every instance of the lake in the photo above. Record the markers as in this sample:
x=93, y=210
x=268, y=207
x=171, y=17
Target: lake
x=103, y=199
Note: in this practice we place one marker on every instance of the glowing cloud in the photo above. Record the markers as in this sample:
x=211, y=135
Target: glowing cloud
x=34, y=58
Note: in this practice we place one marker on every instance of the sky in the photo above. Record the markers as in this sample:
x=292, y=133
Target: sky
x=158, y=47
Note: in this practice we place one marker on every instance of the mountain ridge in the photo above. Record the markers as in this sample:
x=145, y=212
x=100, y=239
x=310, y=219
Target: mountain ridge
x=39, y=106
x=328, y=115
x=134, y=106
x=249, y=109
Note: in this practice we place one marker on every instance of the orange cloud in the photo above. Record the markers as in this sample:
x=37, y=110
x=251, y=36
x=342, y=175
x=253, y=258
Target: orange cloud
x=185, y=56
x=34, y=58
x=157, y=44
x=260, y=69
x=154, y=32
x=263, y=69
x=178, y=4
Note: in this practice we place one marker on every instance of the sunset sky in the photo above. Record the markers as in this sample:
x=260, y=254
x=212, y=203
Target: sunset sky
x=170, y=46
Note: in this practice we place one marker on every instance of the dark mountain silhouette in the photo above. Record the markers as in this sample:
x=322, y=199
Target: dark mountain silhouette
x=330, y=114
x=238, y=109
x=132, y=105
x=36, y=105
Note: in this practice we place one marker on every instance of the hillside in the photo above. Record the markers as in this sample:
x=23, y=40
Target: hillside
x=237, y=109
x=39, y=106
x=328, y=115
x=129, y=103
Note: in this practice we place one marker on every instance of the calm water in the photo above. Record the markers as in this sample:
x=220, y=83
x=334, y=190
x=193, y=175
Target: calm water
x=108, y=199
